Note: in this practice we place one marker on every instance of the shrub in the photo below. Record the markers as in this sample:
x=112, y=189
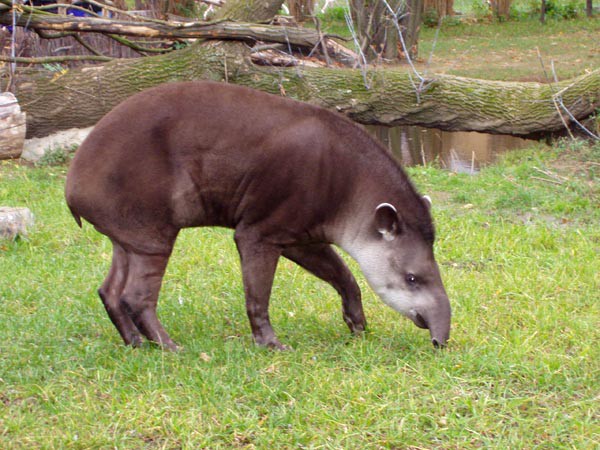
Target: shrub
x=57, y=156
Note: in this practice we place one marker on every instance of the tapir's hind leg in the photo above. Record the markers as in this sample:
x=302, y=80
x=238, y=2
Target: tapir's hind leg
x=140, y=295
x=322, y=261
x=110, y=293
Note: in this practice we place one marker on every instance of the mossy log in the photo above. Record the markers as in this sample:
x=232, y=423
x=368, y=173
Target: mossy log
x=79, y=97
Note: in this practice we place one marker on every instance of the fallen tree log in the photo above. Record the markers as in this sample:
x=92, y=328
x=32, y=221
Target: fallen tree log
x=80, y=97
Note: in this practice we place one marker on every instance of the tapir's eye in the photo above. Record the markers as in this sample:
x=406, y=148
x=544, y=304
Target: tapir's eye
x=411, y=279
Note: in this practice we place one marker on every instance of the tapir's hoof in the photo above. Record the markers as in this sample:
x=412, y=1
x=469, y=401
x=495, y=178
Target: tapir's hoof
x=281, y=347
x=273, y=344
x=438, y=345
x=134, y=340
x=356, y=327
x=167, y=344
x=172, y=347
x=276, y=345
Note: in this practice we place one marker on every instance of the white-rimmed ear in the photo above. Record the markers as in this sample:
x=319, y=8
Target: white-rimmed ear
x=428, y=201
x=386, y=221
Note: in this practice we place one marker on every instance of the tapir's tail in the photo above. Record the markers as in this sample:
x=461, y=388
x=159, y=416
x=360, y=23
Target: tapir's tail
x=76, y=217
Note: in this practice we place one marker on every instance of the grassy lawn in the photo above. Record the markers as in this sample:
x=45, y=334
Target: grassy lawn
x=501, y=50
x=509, y=50
x=520, y=260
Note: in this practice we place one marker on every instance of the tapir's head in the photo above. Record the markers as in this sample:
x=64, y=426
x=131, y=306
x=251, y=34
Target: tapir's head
x=397, y=259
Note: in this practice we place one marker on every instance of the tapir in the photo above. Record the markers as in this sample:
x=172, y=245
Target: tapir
x=291, y=179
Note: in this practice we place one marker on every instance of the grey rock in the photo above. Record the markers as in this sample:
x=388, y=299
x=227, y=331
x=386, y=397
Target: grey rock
x=15, y=222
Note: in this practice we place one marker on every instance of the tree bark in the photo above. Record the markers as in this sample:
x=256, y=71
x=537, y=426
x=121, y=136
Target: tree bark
x=442, y=8
x=301, y=9
x=375, y=30
x=410, y=24
x=543, y=12
x=80, y=97
x=223, y=30
x=501, y=8
x=378, y=29
x=249, y=10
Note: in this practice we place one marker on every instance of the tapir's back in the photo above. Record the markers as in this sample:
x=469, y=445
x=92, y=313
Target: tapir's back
x=189, y=154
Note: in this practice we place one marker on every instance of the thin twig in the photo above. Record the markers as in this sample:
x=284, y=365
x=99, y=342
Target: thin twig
x=298, y=73
x=559, y=103
x=546, y=180
x=54, y=59
x=362, y=60
x=322, y=41
x=87, y=46
x=553, y=94
x=550, y=174
x=404, y=49
x=138, y=48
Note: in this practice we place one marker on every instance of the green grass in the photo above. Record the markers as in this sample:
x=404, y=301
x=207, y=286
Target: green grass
x=520, y=260
x=509, y=50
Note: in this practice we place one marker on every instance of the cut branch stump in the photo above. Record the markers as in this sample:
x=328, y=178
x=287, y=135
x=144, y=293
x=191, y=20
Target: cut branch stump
x=12, y=127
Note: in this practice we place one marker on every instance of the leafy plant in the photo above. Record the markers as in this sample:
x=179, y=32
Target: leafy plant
x=53, y=67
x=481, y=10
x=57, y=155
x=561, y=10
x=334, y=13
x=431, y=18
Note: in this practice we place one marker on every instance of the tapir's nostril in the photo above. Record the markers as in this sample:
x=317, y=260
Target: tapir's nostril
x=420, y=321
x=437, y=344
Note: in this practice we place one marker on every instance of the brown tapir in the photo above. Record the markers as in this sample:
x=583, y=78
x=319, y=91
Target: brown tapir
x=290, y=178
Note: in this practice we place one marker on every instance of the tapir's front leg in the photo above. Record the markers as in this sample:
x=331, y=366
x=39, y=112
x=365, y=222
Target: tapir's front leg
x=325, y=263
x=259, y=262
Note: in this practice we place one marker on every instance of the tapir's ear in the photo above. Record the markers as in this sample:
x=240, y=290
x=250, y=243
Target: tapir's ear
x=387, y=221
x=428, y=201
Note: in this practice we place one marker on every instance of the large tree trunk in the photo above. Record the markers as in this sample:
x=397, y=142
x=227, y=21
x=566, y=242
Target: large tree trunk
x=441, y=8
x=410, y=23
x=501, y=8
x=249, y=10
x=378, y=28
x=301, y=9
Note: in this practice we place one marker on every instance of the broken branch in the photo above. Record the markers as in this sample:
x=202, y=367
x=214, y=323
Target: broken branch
x=222, y=30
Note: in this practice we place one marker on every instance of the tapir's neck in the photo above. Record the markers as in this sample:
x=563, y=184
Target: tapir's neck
x=354, y=226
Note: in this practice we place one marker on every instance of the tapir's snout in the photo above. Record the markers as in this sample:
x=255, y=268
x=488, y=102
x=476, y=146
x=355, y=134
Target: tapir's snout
x=436, y=320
